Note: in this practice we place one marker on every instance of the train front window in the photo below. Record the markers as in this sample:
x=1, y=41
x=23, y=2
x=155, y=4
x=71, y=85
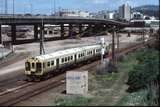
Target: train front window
x=33, y=65
x=27, y=65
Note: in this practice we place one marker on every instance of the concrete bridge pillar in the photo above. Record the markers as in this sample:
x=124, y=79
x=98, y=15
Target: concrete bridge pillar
x=90, y=29
x=70, y=30
x=62, y=30
x=13, y=33
x=0, y=35
x=80, y=28
x=41, y=30
x=35, y=32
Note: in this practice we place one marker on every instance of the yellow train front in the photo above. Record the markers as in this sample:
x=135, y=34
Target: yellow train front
x=36, y=68
x=33, y=68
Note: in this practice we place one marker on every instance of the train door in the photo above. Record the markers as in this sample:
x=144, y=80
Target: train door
x=57, y=63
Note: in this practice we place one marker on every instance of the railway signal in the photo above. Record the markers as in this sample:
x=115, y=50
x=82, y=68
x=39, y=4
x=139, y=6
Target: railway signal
x=102, y=49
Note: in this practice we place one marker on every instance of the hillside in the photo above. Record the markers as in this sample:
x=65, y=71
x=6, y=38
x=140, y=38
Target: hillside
x=151, y=10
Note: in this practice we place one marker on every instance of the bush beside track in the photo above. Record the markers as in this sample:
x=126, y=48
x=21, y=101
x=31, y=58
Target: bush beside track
x=143, y=80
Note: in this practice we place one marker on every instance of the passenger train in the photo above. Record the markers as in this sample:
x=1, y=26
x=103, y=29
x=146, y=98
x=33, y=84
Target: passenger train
x=39, y=67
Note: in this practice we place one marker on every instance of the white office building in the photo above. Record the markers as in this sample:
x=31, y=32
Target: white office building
x=73, y=13
x=125, y=12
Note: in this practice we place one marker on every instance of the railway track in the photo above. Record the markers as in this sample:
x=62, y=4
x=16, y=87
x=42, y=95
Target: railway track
x=20, y=93
x=29, y=89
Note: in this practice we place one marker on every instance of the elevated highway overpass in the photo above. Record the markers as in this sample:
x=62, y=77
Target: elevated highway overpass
x=41, y=21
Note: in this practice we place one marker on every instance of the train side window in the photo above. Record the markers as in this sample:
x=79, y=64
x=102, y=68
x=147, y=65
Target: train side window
x=62, y=60
x=27, y=66
x=71, y=57
x=52, y=63
x=48, y=64
x=65, y=59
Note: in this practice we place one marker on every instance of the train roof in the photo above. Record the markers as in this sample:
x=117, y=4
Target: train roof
x=65, y=52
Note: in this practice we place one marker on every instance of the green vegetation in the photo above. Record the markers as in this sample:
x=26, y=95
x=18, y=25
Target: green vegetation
x=72, y=101
x=143, y=79
x=108, y=77
x=134, y=99
x=145, y=71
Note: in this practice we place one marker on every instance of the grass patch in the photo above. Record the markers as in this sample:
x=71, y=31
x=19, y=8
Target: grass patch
x=133, y=99
x=128, y=63
x=72, y=101
x=105, y=87
x=108, y=77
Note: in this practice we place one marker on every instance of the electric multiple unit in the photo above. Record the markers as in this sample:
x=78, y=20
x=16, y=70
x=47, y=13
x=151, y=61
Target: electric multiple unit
x=42, y=65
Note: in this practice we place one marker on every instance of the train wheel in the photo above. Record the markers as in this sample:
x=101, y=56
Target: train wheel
x=37, y=79
x=29, y=79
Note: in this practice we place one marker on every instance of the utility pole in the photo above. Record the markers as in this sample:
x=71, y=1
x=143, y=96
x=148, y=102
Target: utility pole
x=13, y=8
x=143, y=36
x=31, y=6
x=113, y=47
x=59, y=11
x=54, y=6
x=42, y=51
x=118, y=43
x=51, y=7
x=6, y=6
x=11, y=44
x=114, y=68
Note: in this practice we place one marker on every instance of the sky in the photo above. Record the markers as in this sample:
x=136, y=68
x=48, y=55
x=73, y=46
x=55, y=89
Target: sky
x=47, y=6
